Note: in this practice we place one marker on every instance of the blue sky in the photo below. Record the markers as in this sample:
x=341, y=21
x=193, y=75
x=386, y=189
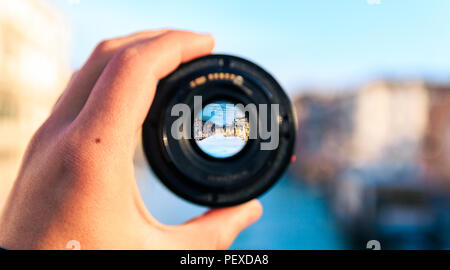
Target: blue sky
x=329, y=43
x=214, y=112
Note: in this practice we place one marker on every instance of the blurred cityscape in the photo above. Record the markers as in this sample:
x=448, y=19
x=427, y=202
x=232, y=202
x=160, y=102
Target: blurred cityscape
x=35, y=67
x=379, y=154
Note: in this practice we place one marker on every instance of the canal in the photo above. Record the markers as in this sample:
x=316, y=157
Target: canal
x=295, y=216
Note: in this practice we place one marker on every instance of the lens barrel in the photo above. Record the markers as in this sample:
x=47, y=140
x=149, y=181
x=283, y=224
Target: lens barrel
x=187, y=170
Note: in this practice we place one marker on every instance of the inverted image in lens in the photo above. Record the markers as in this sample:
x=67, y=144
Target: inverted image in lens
x=221, y=130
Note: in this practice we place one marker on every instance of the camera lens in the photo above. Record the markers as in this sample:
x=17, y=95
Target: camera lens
x=220, y=131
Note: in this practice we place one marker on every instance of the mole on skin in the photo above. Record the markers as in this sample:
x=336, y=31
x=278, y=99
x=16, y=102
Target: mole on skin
x=97, y=140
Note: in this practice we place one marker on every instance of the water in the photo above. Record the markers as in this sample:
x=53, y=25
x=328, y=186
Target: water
x=219, y=146
x=295, y=217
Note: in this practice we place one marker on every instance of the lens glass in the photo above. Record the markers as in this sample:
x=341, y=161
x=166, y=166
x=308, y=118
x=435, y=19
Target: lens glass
x=221, y=129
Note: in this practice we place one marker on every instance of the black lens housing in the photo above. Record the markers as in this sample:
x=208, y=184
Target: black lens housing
x=188, y=171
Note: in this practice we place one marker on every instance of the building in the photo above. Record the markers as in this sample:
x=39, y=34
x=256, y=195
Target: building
x=241, y=128
x=436, y=147
x=228, y=131
x=34, y=62
x=390, y=122
x=324, y=137
x=383, y=121
x=198, y=132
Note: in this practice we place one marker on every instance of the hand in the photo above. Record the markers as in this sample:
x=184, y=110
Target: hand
x=77, y=179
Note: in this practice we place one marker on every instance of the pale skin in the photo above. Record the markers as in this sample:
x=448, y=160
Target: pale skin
x=77, y=177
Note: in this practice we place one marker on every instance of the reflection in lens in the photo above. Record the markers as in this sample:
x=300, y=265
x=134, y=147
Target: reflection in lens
x=221, y=130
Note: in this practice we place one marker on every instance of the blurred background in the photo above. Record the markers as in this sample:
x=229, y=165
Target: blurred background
x=370, y=80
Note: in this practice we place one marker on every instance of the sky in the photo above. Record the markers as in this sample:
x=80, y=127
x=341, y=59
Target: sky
x=303, y=43
x=214, y=112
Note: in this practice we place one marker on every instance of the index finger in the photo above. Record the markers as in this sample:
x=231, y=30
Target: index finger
x=124, y=92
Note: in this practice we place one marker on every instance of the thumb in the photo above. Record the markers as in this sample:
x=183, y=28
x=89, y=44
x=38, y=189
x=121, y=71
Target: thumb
x=219, y=227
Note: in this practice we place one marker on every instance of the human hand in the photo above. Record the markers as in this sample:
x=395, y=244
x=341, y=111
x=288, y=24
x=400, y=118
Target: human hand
x=77, y=178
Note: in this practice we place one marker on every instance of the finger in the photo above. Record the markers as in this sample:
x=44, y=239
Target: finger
x=72, y=100
x=122, y=96
x=218, y=228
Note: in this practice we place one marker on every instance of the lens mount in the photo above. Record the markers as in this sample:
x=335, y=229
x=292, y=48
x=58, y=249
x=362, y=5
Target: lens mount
x=187, y=170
